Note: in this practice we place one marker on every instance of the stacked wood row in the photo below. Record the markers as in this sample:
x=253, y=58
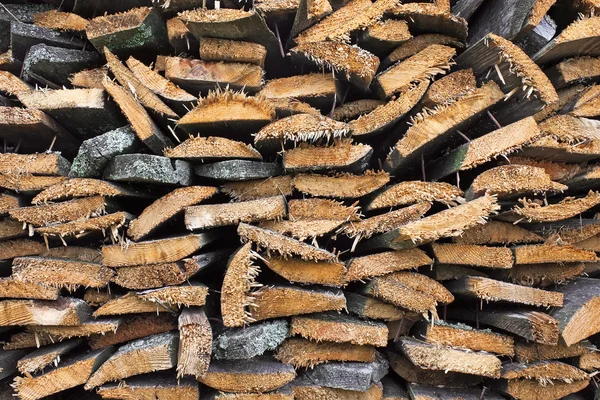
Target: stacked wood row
x=304, y=199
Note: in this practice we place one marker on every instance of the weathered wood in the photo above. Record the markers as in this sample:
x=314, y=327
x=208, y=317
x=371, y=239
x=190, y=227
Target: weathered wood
x=428, y=131
x=431, y=18
x=425, y=65
x=138, y=30
x=551, y=253
x=283, y=301
x=412, y=192
x=354, y=109
x=59, y=273
x=82, y=187
x=69, y=374
x=155, y=275
x=526, y=352
x=134, y=327
x=64, y=311
x=305, y=389
x=195, y=343
x=301, y=271
x=213, y=49
x=19, y=12
x=200, y=76
x=20, y=247
x=466, y=8
x=531, y=325
x=189, y=294
x=83, y=227
x=341, y=185
x=496, y=232
x=368, y=308
x=250, y=341
x=531, y=389
x=436, y=357
x=427, y=392
x=306, y=353
x=39, y=359
x=493, y=145
x=24, y=36
x=35, y=164
x=260, y=374
x=349, y=63
x=381, y=37
x=130, y=303
x=199, y=148
x=259, y=188
x=342, y=156
x=153, y=353
x=417, y=44
x=74, y=253
x=542, y=371
x=339, y=328
x=309, y=12
x=54, y=333
x=318, y=90
x=567, y=208
x=473, y=255
x=148, y=168
x=66, y=211
x=578, y=39
x=11, y=288
x=239, y=170
x=450, y=88
x=167, y=207
x=544, y=275
x=152, y=386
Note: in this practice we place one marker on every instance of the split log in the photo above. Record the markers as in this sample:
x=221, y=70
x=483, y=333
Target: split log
x=215, y=215
x=512, y=181
x=28, y=183
x=544, y=275
x=425, y=65
x=66, y=211
x=11, y=229
x=260, y=188
x=167, y=207
x=574, y=70
x=37, y=129
x=24, y=36
x=138, y=30
x=447, y=223
x=302, y=271
x=342, y=156
x=260, y=374
x=69, y=374
x=43, y=357
x=228, y=113
x=531, y=389
x=464, y=336
x=15, y=289
x=153, y=353
x=567, y=208
x=318, y=90
x=350, y=63
x=89, y=78
x=417, y=44
x=148, y=168
x=284, y=301
x=130, y=303
x=200, y=76
x=212, y=49
x=250, y=341
x=577, y=319
x=134, y=327
x=549, y=253
x=476, y=152
x=341, y=185
x=354, y=109
x=309, y=12
x=59, y=273
x=526, y=352
x=155, y=275
x=531, y=325
x=195, y=343
x=190, y=294
x=473, y=255
x=141, y=123
x=450, y=88
x=61, y=21
x=82, y=187
x=387, y=115
x=431, y=18
x=496, y=232
x=368, y=308
x=19, y=248
x=152, y=386
x=542, y=371
x=428, y=131
x=436, y=357
x=83, y=112
x=493, y=290
x=64, y=311
x=80, y=228
x=198, y=149
x=575, y=40
x=52, y=164
x=285, y=246
x=306, y=353
x=381, y=37
x=304, y=389
x=239, y=170
x=412, y=192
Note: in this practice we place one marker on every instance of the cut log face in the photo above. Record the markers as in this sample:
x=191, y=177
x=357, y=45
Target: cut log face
x=450, y=88
x=89, y=78
x=341, y=156
x=62, y=21
x=79, y=228
x=153, y=353
x=411, y=192
x=215, y=215
x=433, y=128
x=436, y=357
x=426, y=17
x=211, y=148
x=200, y=76
x=496, y=232
x=259, y=374
x=530, y=352
x=510, y=181
x=135, y=327
x=417, y=44
x=369, y=308
x=351, y=63
x=59, y=212
x=212, y=49
x=464, y=336
x=339, y=328
x=305, y=353
x=260, y=188
x=303, y=389
x=41, y=358
x=566, y=208
x=69, y=374
x=574, y=70
x=426, y=392
x=156, y=251
x=575, y=40
x=227, y=113
x=250, y=341
x=129, y=303
x=478, y=256
x=81, y=187
x=52, y=164
x=239, y=170
x=151, y=386
x=190, y=294
x=493, y=290
x=381, y=37
x=531, y=389
x=166, y=208
x=28, y=183
x=285, y=301
x=135, y=31
x=543, y=371
x=342, y=185
x=393, y=292
x=360, y=268
x=549, y=253
x=64, y=311
x=318, y=90
x=195, y=343
x=301, y=271
x=425, y=65
x=15, y=289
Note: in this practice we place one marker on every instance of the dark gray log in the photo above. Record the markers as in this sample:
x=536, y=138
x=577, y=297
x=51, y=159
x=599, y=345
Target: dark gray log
x=392, y=390
x=148, y=168
x=349, y=375
x=466, y=8
x=209, y=264
x=56, y=64
x=505, y=18
x=23, y=36
x=23, y=13
x=95, y=153
x=250, y=341
x=536, y=39
x=239, y=170
x=8, y=361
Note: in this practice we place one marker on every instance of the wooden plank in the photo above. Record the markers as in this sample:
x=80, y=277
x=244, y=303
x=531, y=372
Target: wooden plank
x=417, y=44
x=412, y=192
x=24, y=36
x=497, y=232
x=528, y=352
x=213, y=49
x=148, y=168
x=342, y=156
x=82, y=187
x=301, y=271
x=381, y=37
x=80, y=228
x=130, y=303
x=543, y=370
x=431, y=18
x=11, y=229
x=450, y=88
x=565, y=209
x=354, y=109
x=574, y=70
x=151, y=276
x=304, y=389
x=239, y=170
x=544, y=275
x=131, y=328
x=549, y=253
x=153, y=353
x=575, y=40
x=473, y=255
x=426, y=392
x=20, y=247
x=189, y=294
x=11, y=288
x=28, y=183
x=532, y=389
x=89, y=78
x=66, y=211
x=318, y=90
x=309, y=12
x=250, y=341
x=195, y=343
x=340, y=185
x=198, y=149
x=368, y=308
x=64, y=311
x=88, y=328
x=306, y=353
x=259, y=188
x=61, y=21
x=52, y=164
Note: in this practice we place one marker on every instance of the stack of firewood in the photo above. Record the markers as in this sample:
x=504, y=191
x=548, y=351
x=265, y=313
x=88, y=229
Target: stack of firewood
x=300, y=199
